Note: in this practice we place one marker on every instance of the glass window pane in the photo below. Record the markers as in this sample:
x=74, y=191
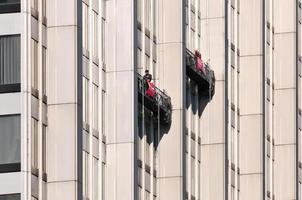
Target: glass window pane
x=44, y=142
x=95, y=108
x=9, y=6
x=95, y=179
x=34, y=143
x=10, y=59
x=44, y=51
x=10, y=150
x=34, y=64
x=10, y=197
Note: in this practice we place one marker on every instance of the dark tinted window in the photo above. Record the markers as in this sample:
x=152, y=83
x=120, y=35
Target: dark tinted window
x=10, y=197
x=10, y=146
x=9, y=6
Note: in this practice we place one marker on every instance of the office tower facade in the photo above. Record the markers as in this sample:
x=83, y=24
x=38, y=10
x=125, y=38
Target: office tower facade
x=149, y=99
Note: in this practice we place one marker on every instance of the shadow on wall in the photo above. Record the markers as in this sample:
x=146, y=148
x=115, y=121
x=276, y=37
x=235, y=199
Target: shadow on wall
x=155, y=110
x=203, y=102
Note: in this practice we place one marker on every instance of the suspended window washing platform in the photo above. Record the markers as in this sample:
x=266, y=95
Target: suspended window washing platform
x=156, y=101
x=201, y=74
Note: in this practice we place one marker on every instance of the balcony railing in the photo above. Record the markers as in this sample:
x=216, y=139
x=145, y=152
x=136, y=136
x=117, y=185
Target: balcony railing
x=9, y=6
x=159, y=104
x=204, y=79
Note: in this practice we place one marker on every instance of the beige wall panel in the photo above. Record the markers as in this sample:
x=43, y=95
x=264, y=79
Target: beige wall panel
x=285, y=115
x=62, y=71
x=212, y=8
x=285, y=15
x=61, y=143
x=250, y=85
x=212, y=171
x=212, y=120
x=250, y=144
x=169, y=152
x=170, y=21
x=250, y=23
x=251, y=187
x=58, y=15
x=212, y=45
x=285, y=60
x=120, y=172
x=61, y=190
x=285, y=172
x=170, y=188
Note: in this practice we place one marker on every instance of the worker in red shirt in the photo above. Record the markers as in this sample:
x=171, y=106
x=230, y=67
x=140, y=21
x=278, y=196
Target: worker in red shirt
x=149, y=85
x=199, y=63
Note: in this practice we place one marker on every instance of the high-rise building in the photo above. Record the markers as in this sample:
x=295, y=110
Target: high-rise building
x=150, y=99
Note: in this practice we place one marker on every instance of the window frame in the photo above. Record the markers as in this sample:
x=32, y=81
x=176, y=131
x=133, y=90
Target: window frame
x=16, y=166
x=12, y=7
x=15, y=86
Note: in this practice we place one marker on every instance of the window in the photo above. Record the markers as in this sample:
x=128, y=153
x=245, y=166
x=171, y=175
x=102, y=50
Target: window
x=95, y=179
x=193, y=151
x=139, y=176
x=44, y=65
x=154, y=17
x=103, y=111
x=34, y=64
x=95, y=105
x=9, y=6
x=34, y=143
x=192, y=40
x=139, y=58
x=139, y=138
x=147, y=61
x=10, y=197
x=44, y=148
x=155, y=187
x=85, y=100
x=147, y=12
x=34, y=4
x=139, y=11
x=233, y=13
x=85, y=27
x=193, y=21
x=103, y=180
x=44, y=8
x=268, y=10
x=148, y=141
x=85, y=174
x=10, y=63
x=193, y=176
x=103, y=35
x=95, y=34
x=10, y=146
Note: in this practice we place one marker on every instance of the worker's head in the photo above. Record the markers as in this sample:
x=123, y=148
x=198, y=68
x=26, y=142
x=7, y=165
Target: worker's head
x=146, y=71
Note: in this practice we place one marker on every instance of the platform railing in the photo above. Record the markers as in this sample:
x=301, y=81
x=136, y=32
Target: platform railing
x=204, y=79
x=160, y=104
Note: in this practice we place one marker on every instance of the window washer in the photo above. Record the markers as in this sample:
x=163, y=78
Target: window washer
x=149, y=85
x=199, y=63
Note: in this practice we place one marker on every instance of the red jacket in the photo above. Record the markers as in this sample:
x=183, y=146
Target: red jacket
x=199, y=63
x=151, y=89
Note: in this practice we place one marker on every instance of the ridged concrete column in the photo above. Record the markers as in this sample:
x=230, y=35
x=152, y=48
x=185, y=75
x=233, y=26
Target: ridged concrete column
x=121, y=178
x=285, y=99
x=171, y=48
x=251, y=100
x=212, y=129
x=64, y=152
